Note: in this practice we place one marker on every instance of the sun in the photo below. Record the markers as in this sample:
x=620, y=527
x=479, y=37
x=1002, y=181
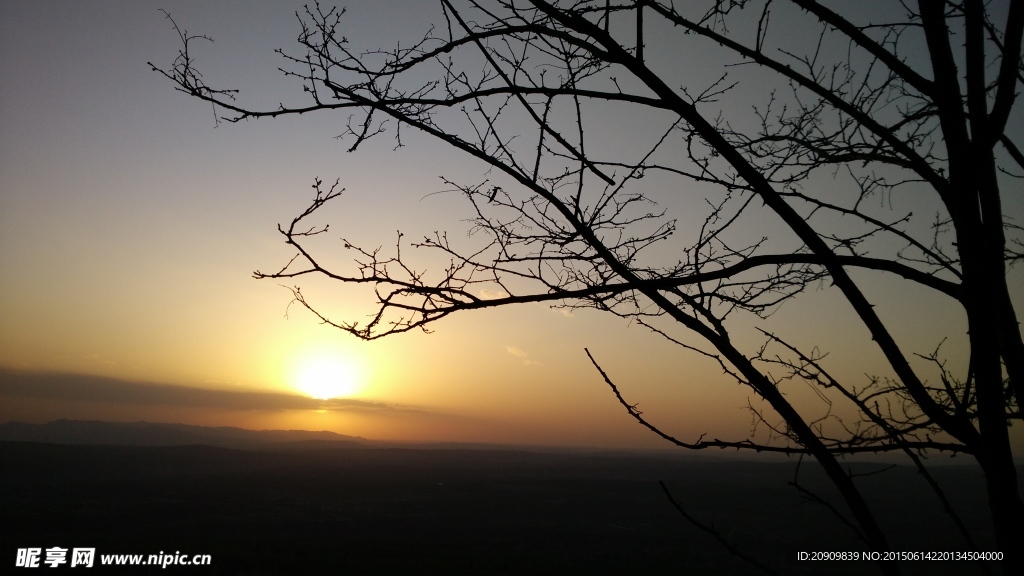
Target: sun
x=326, y=377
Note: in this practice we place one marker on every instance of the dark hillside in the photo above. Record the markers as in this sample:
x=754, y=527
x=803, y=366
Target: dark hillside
x=407, y=511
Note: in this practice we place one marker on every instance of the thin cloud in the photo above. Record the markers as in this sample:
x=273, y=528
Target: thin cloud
x=518, y=353
x=515, y=351
x=492, y=294
x=80, y=387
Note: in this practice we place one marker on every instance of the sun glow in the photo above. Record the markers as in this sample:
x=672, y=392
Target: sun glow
x=327, y=377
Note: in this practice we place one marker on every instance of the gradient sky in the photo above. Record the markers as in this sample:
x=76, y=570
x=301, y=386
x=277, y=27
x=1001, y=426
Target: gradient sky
x=130, y=226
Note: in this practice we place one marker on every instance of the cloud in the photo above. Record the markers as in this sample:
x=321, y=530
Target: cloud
x=515, y=351
x=80, y=387
x=521, y=355
x=492, y=294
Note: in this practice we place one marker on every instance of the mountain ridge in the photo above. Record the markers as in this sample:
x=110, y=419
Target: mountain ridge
x=142, y=433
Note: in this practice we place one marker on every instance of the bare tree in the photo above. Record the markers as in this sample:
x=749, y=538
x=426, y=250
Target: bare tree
x=852, y=113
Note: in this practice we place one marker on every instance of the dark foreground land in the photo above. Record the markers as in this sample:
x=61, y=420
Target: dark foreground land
x=370, y=510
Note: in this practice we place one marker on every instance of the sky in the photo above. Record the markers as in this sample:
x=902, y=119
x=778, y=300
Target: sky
x=131, y=223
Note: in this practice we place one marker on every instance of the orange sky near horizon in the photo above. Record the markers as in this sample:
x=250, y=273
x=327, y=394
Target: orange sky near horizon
x=130, y=228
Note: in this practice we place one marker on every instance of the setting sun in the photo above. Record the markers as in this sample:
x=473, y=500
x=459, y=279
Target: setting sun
x=326, y=377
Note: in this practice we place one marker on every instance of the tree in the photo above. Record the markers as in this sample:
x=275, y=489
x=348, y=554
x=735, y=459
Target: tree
x=852, y=114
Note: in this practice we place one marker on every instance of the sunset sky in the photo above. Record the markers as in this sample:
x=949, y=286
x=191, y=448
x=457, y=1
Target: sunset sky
x=131, y=224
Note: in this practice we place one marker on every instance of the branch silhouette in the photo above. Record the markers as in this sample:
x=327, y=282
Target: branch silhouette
x=716, y=214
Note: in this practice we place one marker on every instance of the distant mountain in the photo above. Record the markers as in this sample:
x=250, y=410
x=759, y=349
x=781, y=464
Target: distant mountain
x=155, y=434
